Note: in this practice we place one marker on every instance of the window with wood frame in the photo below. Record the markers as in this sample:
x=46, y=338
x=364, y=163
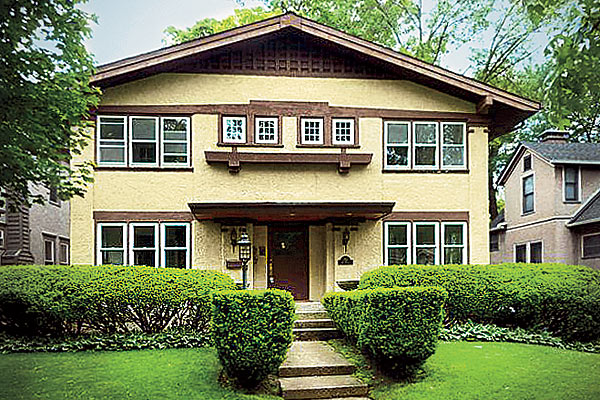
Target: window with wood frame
x=312, y=131
x=234, y=129
x=528, y=191
x=343, y=131
x=571, y=179
x=266, y=130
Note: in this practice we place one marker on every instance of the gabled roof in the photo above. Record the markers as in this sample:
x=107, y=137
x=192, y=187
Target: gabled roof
x=588, y=213
x=555, y=154
x=507, y=109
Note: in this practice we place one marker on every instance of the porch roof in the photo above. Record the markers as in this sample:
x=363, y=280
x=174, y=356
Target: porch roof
x=290, y=211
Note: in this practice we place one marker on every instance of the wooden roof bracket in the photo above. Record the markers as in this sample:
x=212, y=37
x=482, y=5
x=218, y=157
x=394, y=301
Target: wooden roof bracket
x=484, y=105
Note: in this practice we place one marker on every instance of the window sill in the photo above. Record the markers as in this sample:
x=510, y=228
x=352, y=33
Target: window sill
x=591, y=257
x=525, y=214
x=145, y=169
x=224, y=144
x=425, y=171
x=328, y=146
x=572, y=201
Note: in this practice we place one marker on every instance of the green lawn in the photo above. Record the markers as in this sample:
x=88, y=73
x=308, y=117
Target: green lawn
x=472, y=370
x=144, y=374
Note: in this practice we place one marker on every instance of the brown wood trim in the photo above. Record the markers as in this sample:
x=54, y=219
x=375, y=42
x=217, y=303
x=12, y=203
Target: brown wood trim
x=294, y=109
x=484, y=105
x=417, y=216
x=145, y=169
x=255, y=115
x=154, y=216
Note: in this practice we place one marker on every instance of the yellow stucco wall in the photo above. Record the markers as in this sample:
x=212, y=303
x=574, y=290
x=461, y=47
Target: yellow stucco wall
x=172, y=191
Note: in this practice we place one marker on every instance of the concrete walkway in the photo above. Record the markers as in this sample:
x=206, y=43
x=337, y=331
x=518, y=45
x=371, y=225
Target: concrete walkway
x=313, y=370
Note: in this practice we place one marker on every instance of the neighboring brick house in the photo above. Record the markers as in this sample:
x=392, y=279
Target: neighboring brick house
x=334, y=154
x=35, y=235
x=552, y=211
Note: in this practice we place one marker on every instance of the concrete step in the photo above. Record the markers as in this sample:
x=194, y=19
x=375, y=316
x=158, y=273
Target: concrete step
x=311, y=315
x=316, y=333
x=309, y=306
x=314, y=323
x=314, y=358
x=322, y=387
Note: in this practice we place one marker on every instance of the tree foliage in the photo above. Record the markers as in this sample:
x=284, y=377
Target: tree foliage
x=44, y=96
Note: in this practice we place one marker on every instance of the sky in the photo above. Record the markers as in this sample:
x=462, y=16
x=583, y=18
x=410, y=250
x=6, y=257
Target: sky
x=127, y=28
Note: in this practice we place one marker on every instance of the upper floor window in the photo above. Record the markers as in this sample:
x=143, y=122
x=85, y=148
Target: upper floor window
x=571, y=183
x=312, y=131
x=265, y=130
x=590, y=246
x=419, y=145
x=528, y=194
x=343, y=131
x=527, y=162
x=234, y=129
x=137, y=141
x=53, y=195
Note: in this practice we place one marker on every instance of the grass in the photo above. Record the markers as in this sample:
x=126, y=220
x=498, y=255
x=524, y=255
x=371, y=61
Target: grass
x=143, y=374
x=477, y=370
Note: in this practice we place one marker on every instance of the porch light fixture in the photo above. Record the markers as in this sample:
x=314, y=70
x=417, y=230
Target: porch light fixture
x=233, y=238
x=245, y=252
x=345, y=239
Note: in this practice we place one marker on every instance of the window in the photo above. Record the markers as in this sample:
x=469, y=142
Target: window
x=454, y=242
x=343, y=131
x=453, y=144
x=175, y=245
x=63, y=254
x=571, y=183
x=397, y=243
x=494, y=242
x=521, y=253
x=397, y=151
x=175, y=137
x=49, y=251
x=112, y=136
x=426, y=243
x=1, y=238
x=143, y=148
x=312, y=130
x=265, y=130
x=591, y=245
x=112, y=239
x=527, y=163
x=143, y=246
x=53, y=195
x=528, y=188
x=3, y=207
x=234, y=129
x=425, y=151
x=535, y=252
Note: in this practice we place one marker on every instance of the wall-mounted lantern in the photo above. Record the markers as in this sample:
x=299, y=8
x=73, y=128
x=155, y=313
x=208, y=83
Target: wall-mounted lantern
x=345, y=239
x=233, y=238
x=245, y=252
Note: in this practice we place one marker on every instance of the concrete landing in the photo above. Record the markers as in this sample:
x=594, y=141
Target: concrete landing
x=314, y=358
x=322, y=387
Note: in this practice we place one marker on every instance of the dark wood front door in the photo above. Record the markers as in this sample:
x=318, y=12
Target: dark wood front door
x=288, y=259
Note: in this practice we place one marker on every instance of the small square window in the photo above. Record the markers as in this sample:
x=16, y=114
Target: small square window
x=312, y=130
x=343, y=131
x=265, y=131
x=234, y=129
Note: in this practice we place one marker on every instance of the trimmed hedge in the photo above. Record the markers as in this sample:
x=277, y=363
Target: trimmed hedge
x=66, y=299
x=252, y=332
x=564, y=300
x=398, y=327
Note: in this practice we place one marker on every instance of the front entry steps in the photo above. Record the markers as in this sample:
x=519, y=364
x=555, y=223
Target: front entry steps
x=313, y=370
x=313, y=323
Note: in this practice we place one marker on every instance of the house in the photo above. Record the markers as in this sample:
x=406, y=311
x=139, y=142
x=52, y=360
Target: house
x=38, y=234
x=552, y=211
x=334, y=154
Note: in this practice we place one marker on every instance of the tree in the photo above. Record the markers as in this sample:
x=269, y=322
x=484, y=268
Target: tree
x=209, y=26
x=44, y=92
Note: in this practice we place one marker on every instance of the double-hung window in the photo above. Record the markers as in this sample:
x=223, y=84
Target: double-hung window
x=1, y=238
x=397, y=243
x=397, y=145
x=112, y=243
x=312, y=130
x=143, y=246
x=143, y=145
x=571, y=183
x=425, y=149
x=49, y=251
x=454, y=140
x=528, y=194
x=112, y=139
x=265, y=130
x=63, y=253
x=343, y=131
x=175, y=245
x=454, y=236
x=175, y=134
x=426, y=239
x=234, y=129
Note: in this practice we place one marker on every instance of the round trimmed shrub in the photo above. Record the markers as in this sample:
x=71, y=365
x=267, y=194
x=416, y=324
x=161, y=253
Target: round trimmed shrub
x=252, y=332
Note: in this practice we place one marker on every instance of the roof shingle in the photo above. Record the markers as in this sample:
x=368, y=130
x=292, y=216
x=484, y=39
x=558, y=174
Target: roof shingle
x=567, y=153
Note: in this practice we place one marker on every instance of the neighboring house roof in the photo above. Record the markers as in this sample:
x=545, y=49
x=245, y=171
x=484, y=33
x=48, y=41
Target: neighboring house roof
x=506, y=109
x=588, y=213
x=556, y=154
x=498, y=223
